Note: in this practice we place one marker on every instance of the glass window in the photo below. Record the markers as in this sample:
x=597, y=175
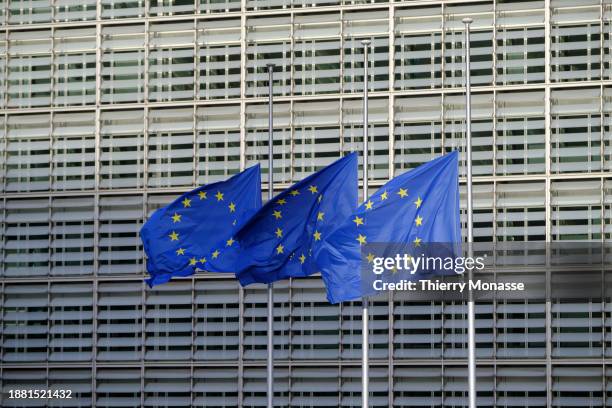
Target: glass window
x=113, y=9
x=73, y=151
x=171, y=61
x=70, y=322
x=169, y=324
x=24, y=327
x=123, y=64
x=218, y=141
x=576, y=210
x=121, y=148
x=171, y=147
x=118, y=333
x=120, y=247
x=72, y=236
x=217, y=325
x=257, y=140
x=520, y=55
x=219, y=57
x=28, y=148
x=575, y=52
x=29, y=69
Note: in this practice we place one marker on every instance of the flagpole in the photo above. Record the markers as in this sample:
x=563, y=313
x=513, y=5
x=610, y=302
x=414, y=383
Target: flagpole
x=365, y=343
x=270, y=357
x=470, y=233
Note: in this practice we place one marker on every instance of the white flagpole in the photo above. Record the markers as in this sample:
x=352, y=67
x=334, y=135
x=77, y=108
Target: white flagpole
x=270, y=359
x=470, y=232
x=365, y=343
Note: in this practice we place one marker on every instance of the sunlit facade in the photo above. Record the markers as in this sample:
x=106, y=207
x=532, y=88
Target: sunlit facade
x=109, y=109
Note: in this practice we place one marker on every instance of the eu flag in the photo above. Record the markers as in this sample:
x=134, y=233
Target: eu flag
x=196, y=227
x=418, y=207
x=278, y=242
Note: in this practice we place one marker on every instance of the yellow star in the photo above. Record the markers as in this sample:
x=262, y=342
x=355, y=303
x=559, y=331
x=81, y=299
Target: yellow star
x=294, y=193
x=417, y=241
x=282, y=201
x=180, y=251
x=358, y=221
x=317, y=236
x=174, y=236
x=320, y=216
x=186, y=202
x=234, y=222
x=368, y=205
x=193, y=261
x=384, y=196
x=370, y=257
x=219, y=196
x=320, y=198
x=232, y=207
x=394, y=270
x=280, y=248
x=418, y=221
x=313, y=189
x=418, y=202
x=277, y=214
x=202, y=260
x=202, y=195
x=215, y=254
x=302, y=258
x=279, y=233
x=176, y=218
x=402, y=193
x=230, y=242
x=361, y=239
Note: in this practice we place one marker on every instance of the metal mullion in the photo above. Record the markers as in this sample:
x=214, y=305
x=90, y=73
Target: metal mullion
x=292, y=43
x=196, y=61
x=4, y=182
x=5, y=84
x=494, y=47
x=195, y=149
x=547, y=137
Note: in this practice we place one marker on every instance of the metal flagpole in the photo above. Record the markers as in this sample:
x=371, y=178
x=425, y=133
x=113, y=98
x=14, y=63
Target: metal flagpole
x=470, y=233
x=365, y=343
x=270, y=361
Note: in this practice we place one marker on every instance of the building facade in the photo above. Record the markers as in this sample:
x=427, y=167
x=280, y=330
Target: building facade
x=109, y=109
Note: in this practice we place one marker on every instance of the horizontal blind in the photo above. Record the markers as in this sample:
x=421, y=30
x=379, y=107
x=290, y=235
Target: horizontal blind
x=121, y=149
x=218, y=142
x=120, y=248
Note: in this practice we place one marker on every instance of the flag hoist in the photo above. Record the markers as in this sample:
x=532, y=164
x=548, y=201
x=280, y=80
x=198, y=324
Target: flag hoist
x=365, y=343
x=270, y=355
x=470, y=234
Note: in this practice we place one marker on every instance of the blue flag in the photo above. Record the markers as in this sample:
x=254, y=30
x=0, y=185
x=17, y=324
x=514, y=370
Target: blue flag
x=191, y=231
x=278, y=242
x=418, y=207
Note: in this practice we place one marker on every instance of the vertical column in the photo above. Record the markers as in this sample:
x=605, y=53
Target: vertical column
x=470, y=214
x=365, y=342
x=547, y=158
x=270, y=360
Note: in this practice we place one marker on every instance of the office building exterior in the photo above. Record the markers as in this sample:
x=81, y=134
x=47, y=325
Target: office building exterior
x=109, y=109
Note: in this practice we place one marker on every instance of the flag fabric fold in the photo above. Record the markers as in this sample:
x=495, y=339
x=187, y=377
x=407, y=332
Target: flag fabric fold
x=191, y=231
x=417, y=207
x=279, y=240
